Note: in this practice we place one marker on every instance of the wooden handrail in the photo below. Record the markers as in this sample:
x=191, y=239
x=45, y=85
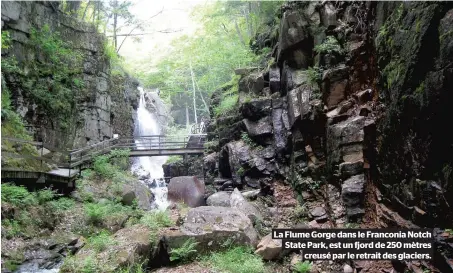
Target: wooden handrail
x=151, y=142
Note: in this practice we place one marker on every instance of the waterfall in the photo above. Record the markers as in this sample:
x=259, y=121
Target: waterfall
x=149, y=169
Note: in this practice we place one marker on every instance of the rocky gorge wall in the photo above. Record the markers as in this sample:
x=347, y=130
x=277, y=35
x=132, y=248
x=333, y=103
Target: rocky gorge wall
x=349, y=111
x=99, y=103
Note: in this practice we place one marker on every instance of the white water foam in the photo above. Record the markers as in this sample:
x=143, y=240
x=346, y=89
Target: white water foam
x=150, y=167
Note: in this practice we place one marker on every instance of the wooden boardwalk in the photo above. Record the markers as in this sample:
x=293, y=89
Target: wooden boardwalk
x=155, y=145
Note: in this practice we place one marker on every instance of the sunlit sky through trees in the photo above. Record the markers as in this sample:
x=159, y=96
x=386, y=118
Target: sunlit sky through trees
x=175, y=16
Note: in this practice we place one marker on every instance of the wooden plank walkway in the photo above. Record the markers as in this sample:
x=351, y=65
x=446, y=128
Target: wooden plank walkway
x=155, y=145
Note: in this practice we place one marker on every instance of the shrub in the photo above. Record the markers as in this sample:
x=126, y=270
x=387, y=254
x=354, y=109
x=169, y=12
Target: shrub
x=236, y=260
x=156, y=219
x=302, y=267
x=12, y=228
x=87, y=265
x=17, y=195
x=101, y=241
x=102, y=166
x=184, y=253
x=97, y=213
x=62, y=204
x=330, y=45
x=6, y=40
x=45, y=196
x=173, y=159
x=314, y=75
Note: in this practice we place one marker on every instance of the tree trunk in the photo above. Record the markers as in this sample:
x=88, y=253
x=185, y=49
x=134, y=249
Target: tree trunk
x=115, y=24
x=194, y=94
x=187, y=118
x=239, y=32
x=85, y=11
x=202, y=98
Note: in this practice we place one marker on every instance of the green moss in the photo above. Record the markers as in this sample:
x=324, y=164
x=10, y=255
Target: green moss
x=418, y=24
x=420, y=89
x=229, y=97
x=393, y=73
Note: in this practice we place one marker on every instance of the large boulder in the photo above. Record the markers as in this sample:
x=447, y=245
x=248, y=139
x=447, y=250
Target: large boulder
x=238, y=201
x=259, y=129
x=256, y=109
x=232, y=157
x=211, y=167
x=219, y=199
x=136, y=190
x=187, y=189
x=293, y=34
x=253, y=83
x=271, y=249
x=132, y=245
x=211, y=227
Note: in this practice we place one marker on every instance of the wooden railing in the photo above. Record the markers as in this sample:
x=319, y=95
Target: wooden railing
x=153, y=142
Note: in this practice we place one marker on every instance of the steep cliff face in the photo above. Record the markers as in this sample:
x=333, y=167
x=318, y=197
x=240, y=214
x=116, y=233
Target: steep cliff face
x=59, y=77
x=351, y=108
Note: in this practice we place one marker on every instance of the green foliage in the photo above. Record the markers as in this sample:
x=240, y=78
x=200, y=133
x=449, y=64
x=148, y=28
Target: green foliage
x=101, y=241
x=236, y=260
x=12, y=228
x=45, y=195
x=393, y=73
x=302, y=267
x=241, y=171
x=156, y=219
x=246, y=138
x=330, y=45
x=227, y=104
x=218, y=47
x=56, y=93
x=211, y=145
x=184, y=253
x=17, y=195
x=53, y=82
x=14, y=259
x=314, y=75
x=352, y=225
x=173, y=159
x=6, y=40
x=87, y=265
x=97, y=213
x=137, y=268
x=102, y=166
x=110, y=165
x=62, y=204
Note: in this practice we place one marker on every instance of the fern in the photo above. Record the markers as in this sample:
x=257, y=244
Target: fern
x=185, y=252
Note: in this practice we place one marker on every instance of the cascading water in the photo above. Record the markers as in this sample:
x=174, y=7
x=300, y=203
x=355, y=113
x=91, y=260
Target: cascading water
x=149, y=169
